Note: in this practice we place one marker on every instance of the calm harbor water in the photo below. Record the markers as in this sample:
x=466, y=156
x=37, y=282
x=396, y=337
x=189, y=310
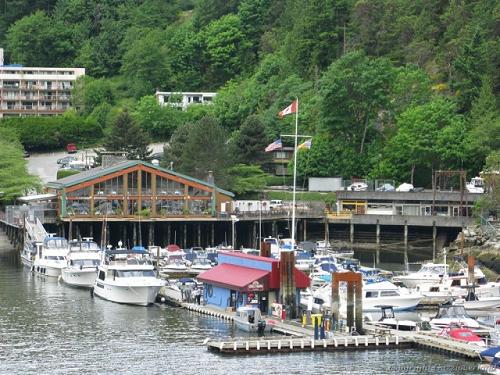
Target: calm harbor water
x=47, y=327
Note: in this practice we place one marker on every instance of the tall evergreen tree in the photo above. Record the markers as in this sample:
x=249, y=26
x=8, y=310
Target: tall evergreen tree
x=249, y=143
x=126, y=135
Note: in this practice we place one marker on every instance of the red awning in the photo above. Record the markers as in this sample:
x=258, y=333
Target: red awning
x=233, y=277
x=302, y=281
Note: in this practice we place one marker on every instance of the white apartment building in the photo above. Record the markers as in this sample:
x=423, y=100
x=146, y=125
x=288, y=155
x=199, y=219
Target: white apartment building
x=184, y=99
x=28, y=91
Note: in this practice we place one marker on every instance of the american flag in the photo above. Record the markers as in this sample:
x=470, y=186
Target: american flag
x=276, y=145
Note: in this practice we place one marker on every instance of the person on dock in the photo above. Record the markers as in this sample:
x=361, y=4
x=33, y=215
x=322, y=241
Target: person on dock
x=197, y=296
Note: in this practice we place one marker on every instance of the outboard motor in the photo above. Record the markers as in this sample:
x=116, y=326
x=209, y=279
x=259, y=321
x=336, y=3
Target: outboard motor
x=261, y=326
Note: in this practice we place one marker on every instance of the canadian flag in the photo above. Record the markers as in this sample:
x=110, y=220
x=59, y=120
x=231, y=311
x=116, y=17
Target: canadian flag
x=292, y=108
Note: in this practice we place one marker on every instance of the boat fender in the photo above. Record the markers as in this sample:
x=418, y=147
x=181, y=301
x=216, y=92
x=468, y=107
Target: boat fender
x=92, y=292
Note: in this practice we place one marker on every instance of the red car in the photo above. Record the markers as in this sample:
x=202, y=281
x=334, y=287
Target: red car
x=71, y=148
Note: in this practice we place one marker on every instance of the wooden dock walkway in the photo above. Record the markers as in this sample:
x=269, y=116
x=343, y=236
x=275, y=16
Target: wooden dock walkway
x=284, y=328
x=431, y=340
x=285, y=345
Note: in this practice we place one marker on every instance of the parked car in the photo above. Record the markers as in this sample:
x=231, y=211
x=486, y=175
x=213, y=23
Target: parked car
x=71, y=148
x=386, y=187
x=405, y=187
x=358, y=186
x=66, y=160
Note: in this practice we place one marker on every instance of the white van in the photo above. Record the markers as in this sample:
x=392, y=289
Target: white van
x=275, y=204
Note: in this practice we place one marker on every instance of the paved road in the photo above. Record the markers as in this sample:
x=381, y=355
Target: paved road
x=45, y=165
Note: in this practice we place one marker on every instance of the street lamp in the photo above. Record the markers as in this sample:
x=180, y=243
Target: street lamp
x=234, y=220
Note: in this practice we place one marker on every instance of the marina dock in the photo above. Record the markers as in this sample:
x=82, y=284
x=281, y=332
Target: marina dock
x=301, y=339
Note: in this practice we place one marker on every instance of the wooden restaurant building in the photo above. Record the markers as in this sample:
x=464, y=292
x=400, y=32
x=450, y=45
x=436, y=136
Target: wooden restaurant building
x=139, y=199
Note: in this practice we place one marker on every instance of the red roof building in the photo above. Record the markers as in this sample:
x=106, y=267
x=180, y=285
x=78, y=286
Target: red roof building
x=240, y=279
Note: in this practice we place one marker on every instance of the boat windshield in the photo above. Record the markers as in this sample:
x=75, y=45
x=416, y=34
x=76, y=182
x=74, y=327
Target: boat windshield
x=175, y=258
x=135, y=273
x=54, y=257
x=202, y=261
x=432, y=269
x=85, y=262
x=55, y=243
x=452, y=312
x=138, y=261
x=89, y=245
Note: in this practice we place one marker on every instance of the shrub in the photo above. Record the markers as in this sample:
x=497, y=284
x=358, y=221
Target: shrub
x=61, y=173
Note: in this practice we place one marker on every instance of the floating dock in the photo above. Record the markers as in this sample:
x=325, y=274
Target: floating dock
x=284, y=345
x=301, y=339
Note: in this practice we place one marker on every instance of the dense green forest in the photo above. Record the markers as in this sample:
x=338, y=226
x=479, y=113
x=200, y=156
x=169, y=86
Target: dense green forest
x=388, y=88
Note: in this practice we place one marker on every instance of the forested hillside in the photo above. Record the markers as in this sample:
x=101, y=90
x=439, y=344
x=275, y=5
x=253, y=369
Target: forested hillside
x=388, y=88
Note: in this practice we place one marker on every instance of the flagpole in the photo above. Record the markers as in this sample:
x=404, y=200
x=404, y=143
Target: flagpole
x=295, y=171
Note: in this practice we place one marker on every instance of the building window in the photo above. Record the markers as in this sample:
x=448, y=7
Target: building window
x=281, y=155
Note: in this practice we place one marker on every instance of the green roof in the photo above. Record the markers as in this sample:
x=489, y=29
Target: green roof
x=101, y=171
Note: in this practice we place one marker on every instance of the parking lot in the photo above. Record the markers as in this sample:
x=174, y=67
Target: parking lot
x=45, y=165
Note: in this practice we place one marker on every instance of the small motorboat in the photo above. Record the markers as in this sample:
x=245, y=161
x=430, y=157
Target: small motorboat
x=177, y=291
x=460, y=333
x=489, y=354
x=453, y=314
x=493, y=367
x=389, y=320
x=199, y=265
x=249, y=319
x=474, y=302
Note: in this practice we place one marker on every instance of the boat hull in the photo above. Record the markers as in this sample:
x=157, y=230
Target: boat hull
x=26, y=261
x=84, y=278
x=401, y=303
x=411, y=282
x=172, y=294
x=487, y=303
x=131, y=295
x=250, y=327
x=47, y=270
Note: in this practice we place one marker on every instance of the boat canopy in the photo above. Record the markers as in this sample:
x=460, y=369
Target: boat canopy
x=127, y=251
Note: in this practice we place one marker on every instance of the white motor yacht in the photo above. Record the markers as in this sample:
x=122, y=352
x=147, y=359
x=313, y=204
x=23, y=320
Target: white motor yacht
x=384, y=292
x=50, y=257
x=375, y=294
x=83, y=260
x=430, y=273
x=127, y=276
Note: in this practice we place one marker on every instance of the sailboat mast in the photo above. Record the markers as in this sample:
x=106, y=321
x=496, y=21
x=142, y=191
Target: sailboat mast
x=295, y=170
